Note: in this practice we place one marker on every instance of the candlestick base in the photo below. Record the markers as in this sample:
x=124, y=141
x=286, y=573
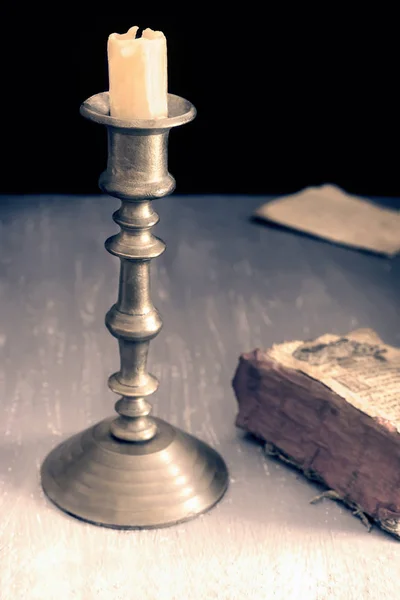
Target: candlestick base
x=169, y=479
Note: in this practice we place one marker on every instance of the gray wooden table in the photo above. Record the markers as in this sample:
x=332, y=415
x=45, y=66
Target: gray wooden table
x=224, y=286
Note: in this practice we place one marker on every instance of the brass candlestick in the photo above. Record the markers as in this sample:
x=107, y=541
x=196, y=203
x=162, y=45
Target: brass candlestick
x=134, y=470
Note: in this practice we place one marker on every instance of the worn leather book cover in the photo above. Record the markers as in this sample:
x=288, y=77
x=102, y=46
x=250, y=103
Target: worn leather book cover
x=331, y=408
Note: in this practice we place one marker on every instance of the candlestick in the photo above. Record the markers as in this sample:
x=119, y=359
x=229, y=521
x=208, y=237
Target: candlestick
x=135, y=470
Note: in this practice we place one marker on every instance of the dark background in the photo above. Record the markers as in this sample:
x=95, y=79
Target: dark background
x=284, y=100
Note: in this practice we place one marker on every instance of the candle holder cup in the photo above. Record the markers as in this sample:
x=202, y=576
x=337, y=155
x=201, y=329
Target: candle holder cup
x=134, y=470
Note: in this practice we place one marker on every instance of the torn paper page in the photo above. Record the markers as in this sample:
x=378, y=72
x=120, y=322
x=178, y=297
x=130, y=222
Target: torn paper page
x=332, y=214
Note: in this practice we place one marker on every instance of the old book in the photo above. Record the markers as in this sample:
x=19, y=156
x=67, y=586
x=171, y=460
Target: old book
x=331, y=407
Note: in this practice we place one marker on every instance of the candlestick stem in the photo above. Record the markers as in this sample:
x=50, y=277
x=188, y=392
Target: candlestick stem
x=133, y=320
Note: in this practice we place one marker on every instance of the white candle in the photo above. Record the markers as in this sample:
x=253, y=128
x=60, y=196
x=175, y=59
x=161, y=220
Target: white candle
x=137, y=72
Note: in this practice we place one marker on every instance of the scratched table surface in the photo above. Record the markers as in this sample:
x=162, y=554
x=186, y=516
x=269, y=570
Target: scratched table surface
x=225, y=285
